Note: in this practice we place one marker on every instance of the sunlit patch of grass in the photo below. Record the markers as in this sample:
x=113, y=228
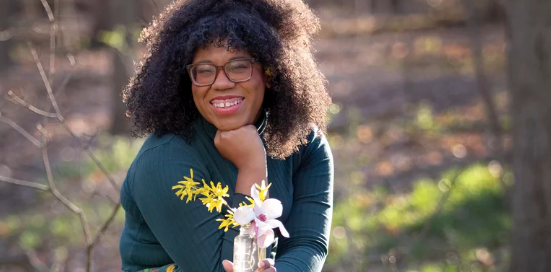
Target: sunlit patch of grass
x=37, y=228
x=473, y=216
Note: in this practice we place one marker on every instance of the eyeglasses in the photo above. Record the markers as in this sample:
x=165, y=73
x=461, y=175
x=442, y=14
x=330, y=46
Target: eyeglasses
x=205, y=74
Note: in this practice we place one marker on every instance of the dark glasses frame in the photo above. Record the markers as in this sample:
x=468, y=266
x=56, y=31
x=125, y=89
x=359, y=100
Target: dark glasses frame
x=218, y=68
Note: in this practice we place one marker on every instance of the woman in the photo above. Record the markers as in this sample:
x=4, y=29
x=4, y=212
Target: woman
x=228, y=88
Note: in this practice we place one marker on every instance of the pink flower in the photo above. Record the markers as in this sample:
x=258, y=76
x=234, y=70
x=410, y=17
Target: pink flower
x=263, y=216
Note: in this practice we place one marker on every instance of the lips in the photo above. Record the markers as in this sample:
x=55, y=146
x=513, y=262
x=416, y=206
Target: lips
x=226, y=105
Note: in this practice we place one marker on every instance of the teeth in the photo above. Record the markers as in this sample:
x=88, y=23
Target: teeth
x=226, y=103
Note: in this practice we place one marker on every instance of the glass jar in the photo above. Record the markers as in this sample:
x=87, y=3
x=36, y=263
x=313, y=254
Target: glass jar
x=245, y=252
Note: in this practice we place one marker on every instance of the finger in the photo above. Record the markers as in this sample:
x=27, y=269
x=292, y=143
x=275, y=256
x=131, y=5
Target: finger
x=270, y=269
x=228, y=266
x=265, y=264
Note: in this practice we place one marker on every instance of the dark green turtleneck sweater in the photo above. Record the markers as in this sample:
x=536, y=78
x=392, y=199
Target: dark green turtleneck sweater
x=161, y=229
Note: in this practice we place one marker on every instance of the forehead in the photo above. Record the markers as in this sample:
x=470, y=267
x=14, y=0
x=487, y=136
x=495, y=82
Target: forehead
x=218, y=54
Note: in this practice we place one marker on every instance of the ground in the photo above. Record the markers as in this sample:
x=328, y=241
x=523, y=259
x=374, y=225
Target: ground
x=406, y=107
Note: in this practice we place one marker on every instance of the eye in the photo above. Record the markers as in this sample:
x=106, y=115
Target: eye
x=205, y=70
x=239, y=66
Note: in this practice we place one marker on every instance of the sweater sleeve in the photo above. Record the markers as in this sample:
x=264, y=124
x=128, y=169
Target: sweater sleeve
x=186, y=231
x=309, y=222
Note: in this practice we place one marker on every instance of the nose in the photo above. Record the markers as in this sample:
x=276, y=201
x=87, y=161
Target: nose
x=222, y=82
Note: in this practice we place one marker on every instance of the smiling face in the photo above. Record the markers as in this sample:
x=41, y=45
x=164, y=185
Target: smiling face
x=225, y=104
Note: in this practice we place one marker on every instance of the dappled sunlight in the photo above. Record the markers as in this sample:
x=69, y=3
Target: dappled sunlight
x=473, y=219
x=419, y=182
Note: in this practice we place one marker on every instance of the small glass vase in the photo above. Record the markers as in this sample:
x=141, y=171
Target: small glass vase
x=245, y=252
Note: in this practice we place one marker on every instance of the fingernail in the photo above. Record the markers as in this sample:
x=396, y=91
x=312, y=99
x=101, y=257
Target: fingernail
x=261, y=264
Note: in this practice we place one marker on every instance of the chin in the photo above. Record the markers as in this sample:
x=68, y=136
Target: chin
x=229, y=125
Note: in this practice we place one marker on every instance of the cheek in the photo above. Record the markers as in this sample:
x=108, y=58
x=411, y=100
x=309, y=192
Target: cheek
x=198, y=96
x=257, y=94
x=258, y=88
x=261, y=94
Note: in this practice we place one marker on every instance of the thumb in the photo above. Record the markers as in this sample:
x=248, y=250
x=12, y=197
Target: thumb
x=228, y=266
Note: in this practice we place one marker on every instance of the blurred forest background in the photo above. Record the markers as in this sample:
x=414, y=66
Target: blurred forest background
x=426, y=150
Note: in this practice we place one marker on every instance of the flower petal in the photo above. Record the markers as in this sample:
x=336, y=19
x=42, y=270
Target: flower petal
x=260, y=227
x=252, y=229
x=272, y=208
x=277, y=224
x=266, y=239
x=256, y=198
x=258, y=210
x=243, y=215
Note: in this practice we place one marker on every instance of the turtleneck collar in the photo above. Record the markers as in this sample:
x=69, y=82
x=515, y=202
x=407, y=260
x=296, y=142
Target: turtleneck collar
x=203, y=126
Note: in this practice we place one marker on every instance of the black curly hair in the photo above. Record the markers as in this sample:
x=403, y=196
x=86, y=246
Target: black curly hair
x=277, y=33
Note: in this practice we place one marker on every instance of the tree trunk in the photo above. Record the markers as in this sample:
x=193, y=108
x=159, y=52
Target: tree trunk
x=474, y=22
x=529, y=54
x=123, y=13
x=102, y=20
x=5, y=42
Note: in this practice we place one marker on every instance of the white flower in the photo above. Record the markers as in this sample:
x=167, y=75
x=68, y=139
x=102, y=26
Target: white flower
x=263, y=216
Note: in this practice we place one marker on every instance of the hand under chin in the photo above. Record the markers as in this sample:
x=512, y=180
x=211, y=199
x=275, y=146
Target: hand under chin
x=224, y=125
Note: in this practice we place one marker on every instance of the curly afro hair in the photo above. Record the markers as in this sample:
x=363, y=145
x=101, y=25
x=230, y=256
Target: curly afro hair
x=277, y=33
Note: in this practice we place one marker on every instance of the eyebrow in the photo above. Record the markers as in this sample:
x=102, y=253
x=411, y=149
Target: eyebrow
x=234, y=58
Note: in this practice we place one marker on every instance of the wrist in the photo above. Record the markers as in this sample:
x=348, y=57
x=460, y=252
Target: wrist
x=254, y=164
x=248, y=176
x=253, y=167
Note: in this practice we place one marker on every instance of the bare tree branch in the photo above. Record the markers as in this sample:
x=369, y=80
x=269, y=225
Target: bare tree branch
x=19, y=101
x=101, y=231
x=91, y=242
x=91, y=138
x=46, y=82
x=53, y=27
x=58, y=195
x=43, y=131
x=97, y=162
x=31, y=184
x=48, y=10
x=20, y=130
x=64, y=82
x=113, y=201
x=64, y=123
x=105, y=225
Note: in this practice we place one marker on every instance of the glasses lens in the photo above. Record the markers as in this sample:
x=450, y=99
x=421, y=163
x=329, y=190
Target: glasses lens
x=239, y=70
x=203, y=73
